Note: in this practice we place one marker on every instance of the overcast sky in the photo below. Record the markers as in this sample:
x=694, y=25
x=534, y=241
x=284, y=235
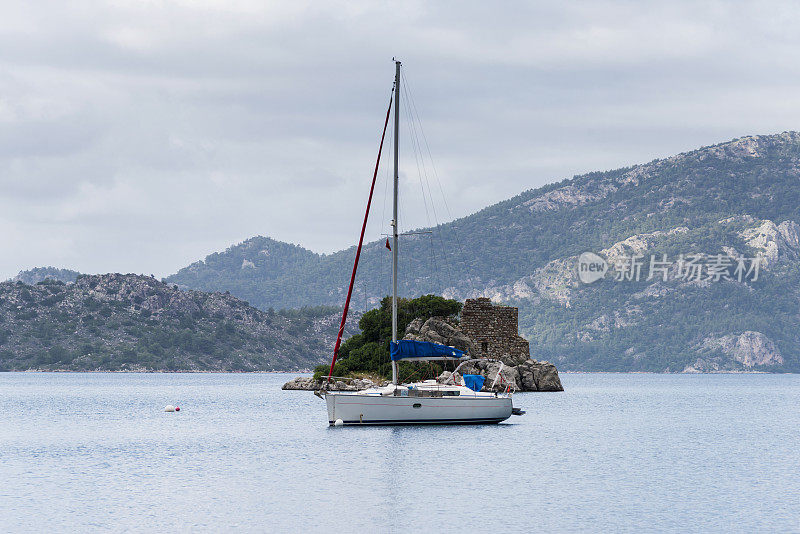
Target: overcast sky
x=141, y=136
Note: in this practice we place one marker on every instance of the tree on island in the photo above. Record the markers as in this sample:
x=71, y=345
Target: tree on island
x=367, y=353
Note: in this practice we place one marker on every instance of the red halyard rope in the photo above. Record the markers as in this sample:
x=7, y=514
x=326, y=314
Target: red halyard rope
x=360, y=242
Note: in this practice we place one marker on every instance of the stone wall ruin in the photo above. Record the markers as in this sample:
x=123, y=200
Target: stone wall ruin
x=495, y=331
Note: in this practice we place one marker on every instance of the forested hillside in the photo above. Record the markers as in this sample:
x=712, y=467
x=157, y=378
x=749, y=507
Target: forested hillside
x=740, y=198
x=118, y=322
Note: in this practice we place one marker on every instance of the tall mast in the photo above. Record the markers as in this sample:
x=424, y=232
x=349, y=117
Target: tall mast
x=395, y=220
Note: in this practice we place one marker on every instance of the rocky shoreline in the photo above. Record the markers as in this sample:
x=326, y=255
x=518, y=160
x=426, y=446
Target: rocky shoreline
x=531, y=375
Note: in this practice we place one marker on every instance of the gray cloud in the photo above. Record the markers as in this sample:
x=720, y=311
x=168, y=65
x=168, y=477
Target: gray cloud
x=140, y=136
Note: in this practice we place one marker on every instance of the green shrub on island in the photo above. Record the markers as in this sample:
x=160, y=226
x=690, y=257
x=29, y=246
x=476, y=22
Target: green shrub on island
x=367, y=353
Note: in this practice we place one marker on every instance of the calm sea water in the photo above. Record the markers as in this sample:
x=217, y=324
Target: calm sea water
x=95, y=452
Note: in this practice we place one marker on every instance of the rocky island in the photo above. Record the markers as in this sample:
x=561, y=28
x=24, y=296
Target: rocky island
x=483, y=330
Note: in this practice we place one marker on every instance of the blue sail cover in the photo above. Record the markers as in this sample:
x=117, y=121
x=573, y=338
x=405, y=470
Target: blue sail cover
x=406, y=349
x=473, y=382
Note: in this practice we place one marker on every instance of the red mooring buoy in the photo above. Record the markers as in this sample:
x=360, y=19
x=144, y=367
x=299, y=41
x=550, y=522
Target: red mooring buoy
x=177, y=408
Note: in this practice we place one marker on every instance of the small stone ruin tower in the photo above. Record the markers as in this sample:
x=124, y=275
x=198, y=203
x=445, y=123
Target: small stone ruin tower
x=494, y=329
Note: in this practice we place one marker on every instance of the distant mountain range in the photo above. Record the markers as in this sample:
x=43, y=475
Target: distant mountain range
x=118, y=322
x=740, y=198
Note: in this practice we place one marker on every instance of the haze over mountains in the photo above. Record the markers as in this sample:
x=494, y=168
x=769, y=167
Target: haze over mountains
x=739, y=198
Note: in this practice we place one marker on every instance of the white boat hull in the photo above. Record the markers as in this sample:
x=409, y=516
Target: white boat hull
x=355, y=409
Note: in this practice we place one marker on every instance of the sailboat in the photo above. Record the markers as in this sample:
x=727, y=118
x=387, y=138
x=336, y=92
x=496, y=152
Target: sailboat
x=423, y=402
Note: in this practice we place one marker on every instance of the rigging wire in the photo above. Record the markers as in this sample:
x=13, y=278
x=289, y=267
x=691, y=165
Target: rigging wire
x=421, y=172
x=360, y=242
x=385, y=264
x=463, y=256
x=418, y=147
x=412, y=104
x=415, y=121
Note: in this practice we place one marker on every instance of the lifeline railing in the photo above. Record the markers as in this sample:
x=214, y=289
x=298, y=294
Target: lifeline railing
x=497, y=376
